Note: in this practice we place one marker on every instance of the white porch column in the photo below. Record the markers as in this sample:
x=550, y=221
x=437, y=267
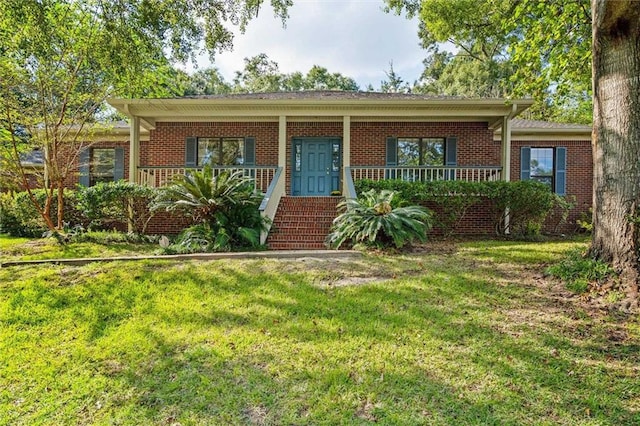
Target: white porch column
x=134, y=149
x=282, y=143
x=346, y=148
x=506, y=148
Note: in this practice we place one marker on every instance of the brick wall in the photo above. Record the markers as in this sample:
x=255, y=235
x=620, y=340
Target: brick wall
x=166, y=145
x=579, y=175
x=475, y=141
x=475, y=147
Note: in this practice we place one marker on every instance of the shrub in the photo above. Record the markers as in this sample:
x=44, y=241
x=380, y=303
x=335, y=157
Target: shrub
x=529, y=202
x=20, y=218
x=376, y=219
x=106, y=205
x=225, y=208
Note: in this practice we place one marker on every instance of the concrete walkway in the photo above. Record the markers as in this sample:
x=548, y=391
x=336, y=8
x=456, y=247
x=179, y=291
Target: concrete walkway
x=274, y=254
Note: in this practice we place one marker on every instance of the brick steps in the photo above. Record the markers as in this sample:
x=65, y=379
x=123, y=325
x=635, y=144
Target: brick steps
x=302, y=223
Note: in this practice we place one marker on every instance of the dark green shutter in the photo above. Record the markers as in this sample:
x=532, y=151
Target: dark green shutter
x=451, y=151
x=561, y=171
x=191, y=152
x=525, y=163
x=450, y=156
x=84, y=158
x=250, y=151
x=392, y=151
x=118, y=172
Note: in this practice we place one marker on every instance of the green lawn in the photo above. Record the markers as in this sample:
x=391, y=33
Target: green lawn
x=466, y=333
x=12, y=248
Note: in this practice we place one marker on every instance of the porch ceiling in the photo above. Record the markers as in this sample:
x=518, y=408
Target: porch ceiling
x=230, y=109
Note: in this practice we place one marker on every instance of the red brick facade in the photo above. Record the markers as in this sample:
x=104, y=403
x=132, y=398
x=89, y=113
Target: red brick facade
x=475, y=141
x=166, y=145
x=475, y=147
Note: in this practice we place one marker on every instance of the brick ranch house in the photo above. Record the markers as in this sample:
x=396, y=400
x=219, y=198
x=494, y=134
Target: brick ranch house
x=303, y=147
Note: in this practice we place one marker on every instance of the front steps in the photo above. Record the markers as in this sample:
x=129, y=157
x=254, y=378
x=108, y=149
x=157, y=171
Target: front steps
x=302, y=223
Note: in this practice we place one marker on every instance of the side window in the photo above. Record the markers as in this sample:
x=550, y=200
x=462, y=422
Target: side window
x=101, y=165
x=546, y=165
x=541, y=165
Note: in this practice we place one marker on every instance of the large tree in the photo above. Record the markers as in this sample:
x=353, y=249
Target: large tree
x=261, y=74
x=60, y=59
x=543, y=48
x=616, y=139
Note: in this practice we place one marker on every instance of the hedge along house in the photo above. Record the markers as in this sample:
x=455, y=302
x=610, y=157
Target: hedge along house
x=303, y=147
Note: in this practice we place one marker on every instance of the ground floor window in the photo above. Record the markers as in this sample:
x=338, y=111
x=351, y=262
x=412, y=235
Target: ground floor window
x=100, y=165
x=103, y=165
x=546, y=165
x=421, y=151
x=220, y=151
x=541, y=165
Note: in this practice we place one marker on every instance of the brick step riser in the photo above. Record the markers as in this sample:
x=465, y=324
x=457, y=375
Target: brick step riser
x=302, y=223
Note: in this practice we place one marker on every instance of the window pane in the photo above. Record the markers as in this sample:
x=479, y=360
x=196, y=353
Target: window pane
x=232, y=152
x=298, y=159
x=103, y=165
x=542, y=165
x=335, y=157
x=433, y=152
x=408, y=152
x=208, y=151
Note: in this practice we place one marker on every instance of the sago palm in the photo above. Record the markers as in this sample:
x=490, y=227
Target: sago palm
x=224, y=206
x=375, y=219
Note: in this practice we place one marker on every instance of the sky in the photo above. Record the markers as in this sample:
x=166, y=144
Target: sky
x=353, y=37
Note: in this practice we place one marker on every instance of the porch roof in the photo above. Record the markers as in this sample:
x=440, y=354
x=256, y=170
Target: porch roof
x=538, y=130
x=320, y=106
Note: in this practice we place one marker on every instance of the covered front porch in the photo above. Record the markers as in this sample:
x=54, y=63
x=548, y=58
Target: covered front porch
x=285, y=131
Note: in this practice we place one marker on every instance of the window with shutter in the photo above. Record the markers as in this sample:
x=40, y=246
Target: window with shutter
x=546, y=165
x=219, y=151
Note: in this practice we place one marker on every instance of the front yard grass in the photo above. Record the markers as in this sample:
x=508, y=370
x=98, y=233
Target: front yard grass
x=12, y=248
x=464, y=333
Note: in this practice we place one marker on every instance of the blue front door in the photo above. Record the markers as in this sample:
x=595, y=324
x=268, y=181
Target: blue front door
x=316, y=166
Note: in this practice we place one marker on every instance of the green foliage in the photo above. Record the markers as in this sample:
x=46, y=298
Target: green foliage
x=106, y=205
x=224, y=207
x=19, y=217
x=585, y=221
x=578, y=270
x=529, y=202
x=376, y=219
x=511, y=49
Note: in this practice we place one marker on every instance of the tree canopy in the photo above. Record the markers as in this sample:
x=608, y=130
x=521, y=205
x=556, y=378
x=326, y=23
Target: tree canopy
x=509, y=48
x=60, y=59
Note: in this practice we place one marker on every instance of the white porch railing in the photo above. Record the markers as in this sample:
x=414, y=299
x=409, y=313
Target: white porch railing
x=428, y=173
x=161, y=176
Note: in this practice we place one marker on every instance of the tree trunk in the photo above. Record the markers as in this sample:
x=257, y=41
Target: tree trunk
x=616, y=138
x=60, y=204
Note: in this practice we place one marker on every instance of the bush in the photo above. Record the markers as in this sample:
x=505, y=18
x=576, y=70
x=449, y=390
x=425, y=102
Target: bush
x=106, y=205
x=529, y=202
x=20, y=218
x=377, y=219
